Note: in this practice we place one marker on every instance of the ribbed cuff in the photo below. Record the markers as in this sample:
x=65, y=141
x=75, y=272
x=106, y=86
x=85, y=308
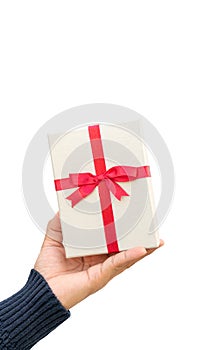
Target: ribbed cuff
x=29, y=315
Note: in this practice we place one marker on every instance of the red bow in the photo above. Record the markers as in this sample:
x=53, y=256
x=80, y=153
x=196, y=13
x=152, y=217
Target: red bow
x=87, y=182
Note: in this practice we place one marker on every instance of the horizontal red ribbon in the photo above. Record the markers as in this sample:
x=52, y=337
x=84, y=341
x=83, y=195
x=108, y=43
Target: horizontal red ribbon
x=106, y=180
x=87, y=182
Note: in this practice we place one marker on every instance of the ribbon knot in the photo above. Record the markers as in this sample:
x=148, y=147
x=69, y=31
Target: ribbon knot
x=100, y=177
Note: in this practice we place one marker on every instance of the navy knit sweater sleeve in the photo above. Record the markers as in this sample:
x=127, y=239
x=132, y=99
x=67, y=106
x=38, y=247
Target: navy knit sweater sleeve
x=29, y=315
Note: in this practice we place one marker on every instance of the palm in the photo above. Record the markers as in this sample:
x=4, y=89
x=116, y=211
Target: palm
x=55, y=262
x=74, y=279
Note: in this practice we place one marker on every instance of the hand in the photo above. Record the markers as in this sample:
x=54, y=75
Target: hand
x=73, y=279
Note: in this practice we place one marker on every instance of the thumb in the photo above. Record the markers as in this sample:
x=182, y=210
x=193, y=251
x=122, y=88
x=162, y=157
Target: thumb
x=54, y=229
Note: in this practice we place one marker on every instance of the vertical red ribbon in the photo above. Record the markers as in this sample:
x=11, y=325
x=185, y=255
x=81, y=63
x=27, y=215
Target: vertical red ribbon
x=104, y=193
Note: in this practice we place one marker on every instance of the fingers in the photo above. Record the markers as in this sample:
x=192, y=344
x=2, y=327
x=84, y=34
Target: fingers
x=117, y=263
x=151, y=250
x=125, y=258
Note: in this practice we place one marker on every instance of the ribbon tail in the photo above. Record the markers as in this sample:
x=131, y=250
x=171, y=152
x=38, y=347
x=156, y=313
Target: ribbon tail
x=116, y=189
x=81, y=193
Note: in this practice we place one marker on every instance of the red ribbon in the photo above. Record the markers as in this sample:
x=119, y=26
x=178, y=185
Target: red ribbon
x=106, y=180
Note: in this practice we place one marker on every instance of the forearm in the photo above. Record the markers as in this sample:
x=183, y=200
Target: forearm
x=30, y=314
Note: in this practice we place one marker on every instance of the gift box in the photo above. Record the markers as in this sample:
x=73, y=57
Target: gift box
x=104, y=190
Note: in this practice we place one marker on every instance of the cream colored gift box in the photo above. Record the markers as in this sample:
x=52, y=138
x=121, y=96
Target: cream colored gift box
x=83, y=229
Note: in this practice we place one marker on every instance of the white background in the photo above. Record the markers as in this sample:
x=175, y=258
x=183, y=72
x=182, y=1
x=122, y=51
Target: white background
x=139, y=54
